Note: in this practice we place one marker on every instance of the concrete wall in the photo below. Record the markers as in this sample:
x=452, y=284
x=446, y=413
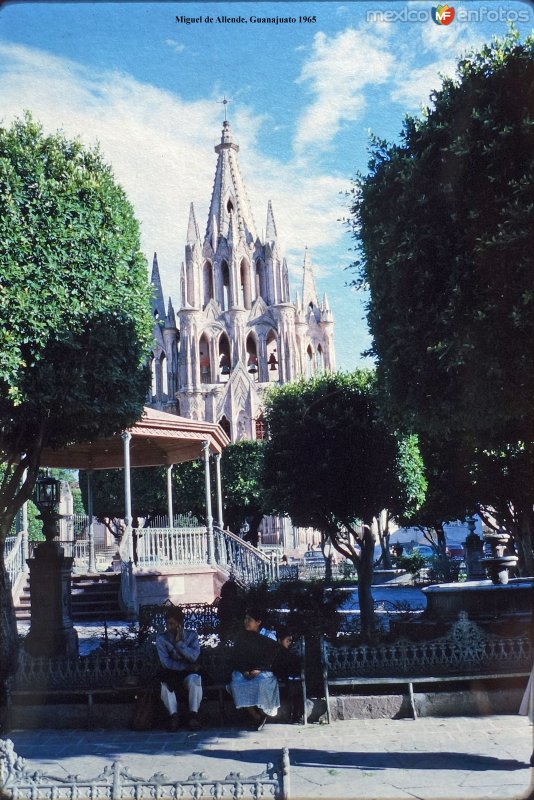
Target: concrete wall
x=197, y=585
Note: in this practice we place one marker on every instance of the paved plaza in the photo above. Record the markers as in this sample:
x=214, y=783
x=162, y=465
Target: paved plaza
x=428, y=759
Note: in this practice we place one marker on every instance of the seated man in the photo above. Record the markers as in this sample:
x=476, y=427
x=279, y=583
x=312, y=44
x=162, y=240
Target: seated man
x=178, y=651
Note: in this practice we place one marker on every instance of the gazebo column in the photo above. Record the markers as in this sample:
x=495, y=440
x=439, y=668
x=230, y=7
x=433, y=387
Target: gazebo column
x=25, y=536
x=128, y=585
x=126, y=437
x=209, y=518
x=91, y=529
x=170, y=512
x=220, y=522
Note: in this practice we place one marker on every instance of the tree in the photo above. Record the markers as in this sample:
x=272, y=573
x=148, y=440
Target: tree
x=332, y=464
x=449, y=495
x=75, y=321
x=241, y=466
x=445, y=224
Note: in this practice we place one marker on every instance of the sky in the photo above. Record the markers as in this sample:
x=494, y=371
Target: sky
x=303, y=96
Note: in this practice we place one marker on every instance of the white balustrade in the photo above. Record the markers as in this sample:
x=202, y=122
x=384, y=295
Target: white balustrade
x=14, y=556
x=162, y=547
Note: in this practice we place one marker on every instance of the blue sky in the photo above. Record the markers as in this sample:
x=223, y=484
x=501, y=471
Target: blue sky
x=303, y=98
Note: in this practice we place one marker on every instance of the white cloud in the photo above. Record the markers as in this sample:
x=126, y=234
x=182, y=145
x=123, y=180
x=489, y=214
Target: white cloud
x=415, y=90
x=178, y=47
x=337, y=72
x=161, y=150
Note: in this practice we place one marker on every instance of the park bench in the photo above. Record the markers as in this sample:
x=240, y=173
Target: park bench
x=215, y=657
x=123, y=676
x=19, y=781
x=464, y=653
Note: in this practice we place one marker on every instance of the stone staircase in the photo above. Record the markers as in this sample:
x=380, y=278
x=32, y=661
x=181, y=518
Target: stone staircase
x=94, y=597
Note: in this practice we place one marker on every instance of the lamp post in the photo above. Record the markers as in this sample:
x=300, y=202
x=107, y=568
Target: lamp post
x=51, y=632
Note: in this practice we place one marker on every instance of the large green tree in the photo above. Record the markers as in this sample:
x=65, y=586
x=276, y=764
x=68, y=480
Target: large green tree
x=242, y=481
x=445, y=223
x=331, y=463
x=75, y=322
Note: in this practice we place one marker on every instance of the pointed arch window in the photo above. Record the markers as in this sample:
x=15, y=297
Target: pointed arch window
x=261, y=430
x=229, y=205
x=273, y=373
x=164, y=375
x=319, y=359
x=224, y=422
x=224, y=358
x=208, y=283
x=252, y=356
x=244, y=284
x=153, y=378
x=309, y=362
x=261, y=283
x=225, y=276
x=204, y=359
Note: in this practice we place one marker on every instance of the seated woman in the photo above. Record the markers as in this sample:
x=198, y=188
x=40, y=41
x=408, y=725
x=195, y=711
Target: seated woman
x=253, y=685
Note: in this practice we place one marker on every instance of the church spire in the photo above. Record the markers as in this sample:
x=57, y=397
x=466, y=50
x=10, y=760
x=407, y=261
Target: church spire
x=309, y=291
x=158, y=304
x=270, y=230
x=193, y=234
x=229, y=193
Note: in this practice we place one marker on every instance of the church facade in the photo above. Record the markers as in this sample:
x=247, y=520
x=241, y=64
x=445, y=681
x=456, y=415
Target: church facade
x=236, y=330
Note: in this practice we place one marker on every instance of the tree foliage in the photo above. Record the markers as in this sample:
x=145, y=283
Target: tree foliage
x=243, y=501
x=445, y=224
x=75, y=321
x=332, y=464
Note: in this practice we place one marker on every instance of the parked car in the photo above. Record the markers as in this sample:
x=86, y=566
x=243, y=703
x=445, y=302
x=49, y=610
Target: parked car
x=424, y=549
x=456, y=552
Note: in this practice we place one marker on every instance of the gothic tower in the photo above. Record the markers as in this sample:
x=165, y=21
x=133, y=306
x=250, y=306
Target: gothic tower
x=238, y=329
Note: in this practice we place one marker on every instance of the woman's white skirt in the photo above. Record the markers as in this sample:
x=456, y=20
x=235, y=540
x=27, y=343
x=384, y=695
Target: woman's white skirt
x=261, y=691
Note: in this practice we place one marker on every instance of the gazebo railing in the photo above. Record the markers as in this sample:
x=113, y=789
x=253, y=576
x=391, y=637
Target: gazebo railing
x=14, y=556
x=248, y=564
x=161, y=547
x=168, y=547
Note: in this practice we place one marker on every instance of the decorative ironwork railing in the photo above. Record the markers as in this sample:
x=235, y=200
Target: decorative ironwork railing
x=19, y=781
x=179, y=521
x=246, y=562
x=14, y=556
x=94, y=671
x=466, y=649
x=170, y=546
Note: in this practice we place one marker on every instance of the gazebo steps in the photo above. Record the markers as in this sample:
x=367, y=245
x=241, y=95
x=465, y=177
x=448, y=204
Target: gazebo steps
x=93, y=597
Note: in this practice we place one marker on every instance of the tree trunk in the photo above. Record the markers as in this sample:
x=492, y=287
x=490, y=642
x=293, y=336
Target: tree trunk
x=364, y=567
x=384, y=536
x=523, y=538
x=9, y=645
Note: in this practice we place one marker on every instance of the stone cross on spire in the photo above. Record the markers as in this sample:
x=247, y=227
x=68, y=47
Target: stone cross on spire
x=225, y=102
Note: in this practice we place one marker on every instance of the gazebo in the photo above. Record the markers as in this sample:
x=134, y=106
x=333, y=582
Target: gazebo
x=156, y=439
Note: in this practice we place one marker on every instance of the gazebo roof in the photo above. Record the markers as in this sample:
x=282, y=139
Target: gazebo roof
x=158, y=438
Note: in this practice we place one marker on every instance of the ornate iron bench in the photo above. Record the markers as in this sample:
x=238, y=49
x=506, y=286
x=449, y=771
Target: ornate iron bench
x=104, y=676
x=465, y=653
x=18, y=781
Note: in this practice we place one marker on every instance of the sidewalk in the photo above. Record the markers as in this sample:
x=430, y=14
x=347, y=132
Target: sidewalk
x=454, y=758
